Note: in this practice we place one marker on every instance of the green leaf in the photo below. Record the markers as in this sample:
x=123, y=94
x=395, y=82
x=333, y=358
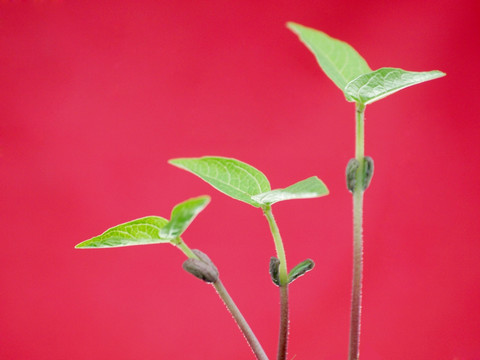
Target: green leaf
x=337, y=59
x=142, y=231
x=376, y=85
x=305, y=189
x=232, y=177
x=300, y=270
x=182, y=216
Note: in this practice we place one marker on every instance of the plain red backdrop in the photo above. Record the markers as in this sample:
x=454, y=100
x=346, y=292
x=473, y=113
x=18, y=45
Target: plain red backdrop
x=96, y=96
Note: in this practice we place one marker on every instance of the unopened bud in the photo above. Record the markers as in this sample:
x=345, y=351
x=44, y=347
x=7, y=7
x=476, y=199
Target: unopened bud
x=202, y=268
x=204, y=257
x=367, y=171
x=275, y=270
x=351, y=174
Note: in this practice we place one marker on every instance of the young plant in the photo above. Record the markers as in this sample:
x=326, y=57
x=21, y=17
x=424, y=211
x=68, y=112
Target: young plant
x=245, y=183
x=157, y=230
x=242, y=182
x=363, y=86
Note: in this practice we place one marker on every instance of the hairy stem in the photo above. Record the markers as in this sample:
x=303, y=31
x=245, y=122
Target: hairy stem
x=283, y=333
x=283, y=280
x=240, y=320
x=356, y=305
x=231, y=306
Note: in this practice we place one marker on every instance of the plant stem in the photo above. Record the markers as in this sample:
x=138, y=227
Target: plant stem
x=356, y=305
x=283, y=333
x=185, y=249
x=283, y=280
x=231, y=306
x=283, y=274
x=240, y=320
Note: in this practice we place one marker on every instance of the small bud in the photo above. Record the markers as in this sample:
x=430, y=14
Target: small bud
x=202, y=268
x=300, y=269
x=351, y=174
x=367, y=171
x=204, y=257
x=274, y=270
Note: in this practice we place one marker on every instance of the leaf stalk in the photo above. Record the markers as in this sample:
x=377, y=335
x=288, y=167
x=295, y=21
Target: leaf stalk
x=283, y=281
x=283, y=275
x=178, y=242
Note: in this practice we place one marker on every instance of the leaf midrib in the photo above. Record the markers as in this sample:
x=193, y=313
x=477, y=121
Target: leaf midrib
x=144, y=233
x=229, y=175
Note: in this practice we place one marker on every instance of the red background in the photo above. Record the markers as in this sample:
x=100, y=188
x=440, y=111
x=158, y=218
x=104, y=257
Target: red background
x=96, y=96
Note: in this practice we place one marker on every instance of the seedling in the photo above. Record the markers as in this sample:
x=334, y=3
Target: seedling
x=363, y=86
x=241, y=182
x=350, y=72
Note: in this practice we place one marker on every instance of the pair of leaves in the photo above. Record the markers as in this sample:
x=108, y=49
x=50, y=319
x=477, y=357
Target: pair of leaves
x=150, y=229
x=351, y=73
x=245, y=183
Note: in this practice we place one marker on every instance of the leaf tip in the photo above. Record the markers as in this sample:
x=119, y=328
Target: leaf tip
x=435, y=74
x=294, y=27
x=325, y=188
x=291, y=25
x=204, y=199
x=174, y=162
